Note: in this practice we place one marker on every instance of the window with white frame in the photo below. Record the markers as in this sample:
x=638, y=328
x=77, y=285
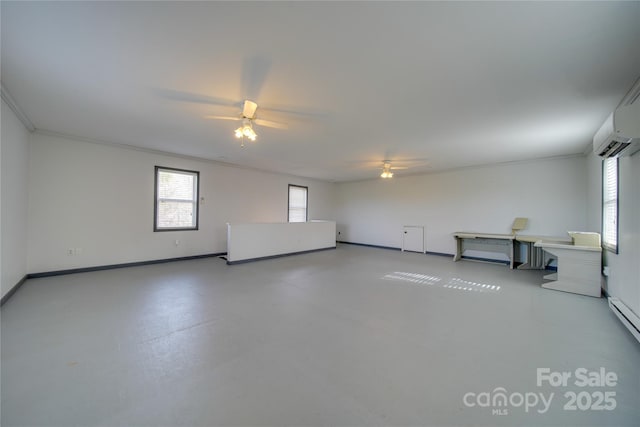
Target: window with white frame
x=176, y=199
x=610, y=204
x=297, y=203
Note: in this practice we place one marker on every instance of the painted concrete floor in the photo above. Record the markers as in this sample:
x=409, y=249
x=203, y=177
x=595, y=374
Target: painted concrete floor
x=357, y=336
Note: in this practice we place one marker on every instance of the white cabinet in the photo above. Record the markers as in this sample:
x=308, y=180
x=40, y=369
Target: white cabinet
x=413, y=238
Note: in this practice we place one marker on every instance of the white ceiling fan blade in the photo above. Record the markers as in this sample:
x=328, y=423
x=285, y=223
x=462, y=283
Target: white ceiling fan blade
x=270, y=124
x=408, y=163
x=223, y=118
x=298, y=111
x=249, y=110
x=182, y=96
x=255, y=70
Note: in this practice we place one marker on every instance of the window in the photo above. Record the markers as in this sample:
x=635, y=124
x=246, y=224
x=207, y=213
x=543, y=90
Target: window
x=297, y=203
x=610, y=204
x=176, y=204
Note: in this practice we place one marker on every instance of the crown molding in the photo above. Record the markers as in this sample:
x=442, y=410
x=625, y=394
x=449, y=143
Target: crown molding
x=147, y=150
x=580, y=155
x=6, y=97
x=633, y=95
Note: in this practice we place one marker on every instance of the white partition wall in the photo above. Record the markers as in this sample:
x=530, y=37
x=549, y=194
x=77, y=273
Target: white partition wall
x=248, y=242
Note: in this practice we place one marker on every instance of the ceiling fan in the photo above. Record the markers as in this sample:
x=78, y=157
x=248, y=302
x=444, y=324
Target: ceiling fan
x=249, y=118
x=254, y=73
x=387, y=168
x=391, y=164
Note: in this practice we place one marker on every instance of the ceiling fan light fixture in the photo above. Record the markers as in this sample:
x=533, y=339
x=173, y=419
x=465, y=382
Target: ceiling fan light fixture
x=246, y=130
x=386, y=171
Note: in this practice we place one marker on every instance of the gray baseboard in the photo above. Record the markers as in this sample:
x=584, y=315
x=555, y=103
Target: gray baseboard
x=13, y=290
x=244, y=261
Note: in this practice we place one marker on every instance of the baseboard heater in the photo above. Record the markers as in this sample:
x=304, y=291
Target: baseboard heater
x=626, y=316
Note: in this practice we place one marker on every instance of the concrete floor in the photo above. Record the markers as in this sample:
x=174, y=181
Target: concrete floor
x=357, y=336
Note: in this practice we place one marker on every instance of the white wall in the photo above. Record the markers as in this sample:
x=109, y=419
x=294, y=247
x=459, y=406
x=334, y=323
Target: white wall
x=594, y=193
x=14, y=141
x=552, y=193
x=100, y=198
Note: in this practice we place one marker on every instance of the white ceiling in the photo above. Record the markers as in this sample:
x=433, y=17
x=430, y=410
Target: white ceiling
x=456, y=83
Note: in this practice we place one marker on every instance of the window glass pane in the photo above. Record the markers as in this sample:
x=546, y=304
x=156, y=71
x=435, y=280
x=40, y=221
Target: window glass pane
x=297, y=215
x=298, y=197
x=175, y=214
x=610, y=179
x=172, y=185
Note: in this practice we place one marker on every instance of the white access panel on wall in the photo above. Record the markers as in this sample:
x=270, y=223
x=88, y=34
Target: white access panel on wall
x=413, y=238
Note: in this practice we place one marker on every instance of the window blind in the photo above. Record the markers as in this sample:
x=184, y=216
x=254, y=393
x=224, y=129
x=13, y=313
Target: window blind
x=297, y=203
x=610, y=204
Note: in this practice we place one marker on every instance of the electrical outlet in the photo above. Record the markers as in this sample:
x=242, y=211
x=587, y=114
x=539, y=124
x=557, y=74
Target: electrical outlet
x=70, y=252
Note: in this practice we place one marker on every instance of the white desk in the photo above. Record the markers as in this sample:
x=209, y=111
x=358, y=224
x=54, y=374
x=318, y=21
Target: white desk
x=501, y=243
x=578, y=268
x=535, y=259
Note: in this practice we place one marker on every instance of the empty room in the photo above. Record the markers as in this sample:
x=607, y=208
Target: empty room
x=320, y=213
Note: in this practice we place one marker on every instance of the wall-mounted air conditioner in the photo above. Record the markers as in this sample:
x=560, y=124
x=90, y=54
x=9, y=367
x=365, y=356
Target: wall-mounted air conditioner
x=619, y=135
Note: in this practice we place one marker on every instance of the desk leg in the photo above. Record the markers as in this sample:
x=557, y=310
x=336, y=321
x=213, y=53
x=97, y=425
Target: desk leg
x=529, y=262
x=534, y=260
x=526, y=264
x=511, y=245
x=458, y=254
